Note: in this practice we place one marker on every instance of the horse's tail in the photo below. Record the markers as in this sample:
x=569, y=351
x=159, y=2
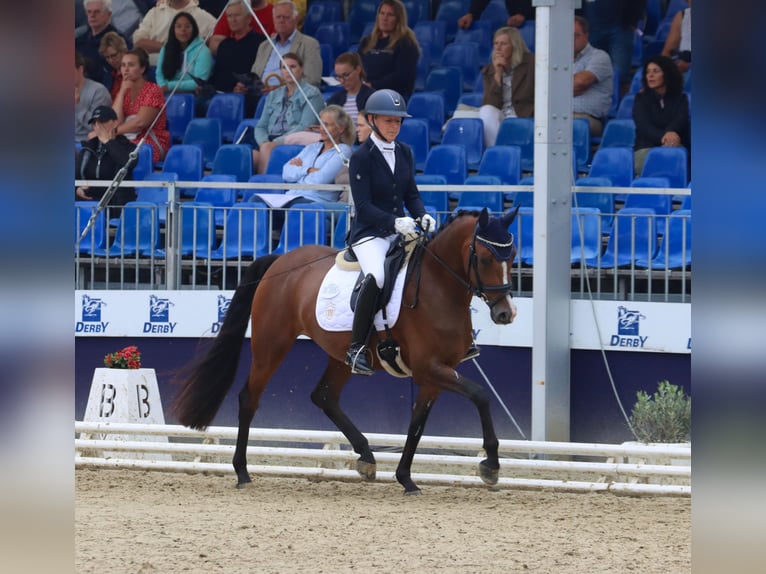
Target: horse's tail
x=210, y=378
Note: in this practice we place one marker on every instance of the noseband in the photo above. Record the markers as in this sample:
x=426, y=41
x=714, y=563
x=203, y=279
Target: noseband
x=479, y=289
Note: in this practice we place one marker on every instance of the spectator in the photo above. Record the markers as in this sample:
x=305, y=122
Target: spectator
x=236, y=54
x=354, y=93
x=678, y=44
x=113, y=47
x=363, y=131
x=320, y=162
x=286, y=111
x=660, y=110
x=102, y=156
x=509, y=83
x=263, y=11
x=592, y=82
x=99, y=14
x=153, y=30
x=390, y=53
x=184, y=58
x=519, y=11
x=88, y=95
x=286, y=39
x=139, y=103
x=612, y=25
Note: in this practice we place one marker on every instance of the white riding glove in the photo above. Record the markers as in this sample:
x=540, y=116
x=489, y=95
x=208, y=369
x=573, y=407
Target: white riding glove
x=427, y=223
x=405, y=226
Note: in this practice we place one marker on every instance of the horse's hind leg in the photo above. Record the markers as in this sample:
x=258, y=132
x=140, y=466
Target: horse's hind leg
x=326, y=395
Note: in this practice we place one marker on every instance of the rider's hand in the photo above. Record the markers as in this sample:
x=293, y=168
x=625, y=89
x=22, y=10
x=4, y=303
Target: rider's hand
x=427, y=223
x=406, y=226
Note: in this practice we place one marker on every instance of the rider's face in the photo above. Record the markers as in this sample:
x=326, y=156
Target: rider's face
x=389, y=126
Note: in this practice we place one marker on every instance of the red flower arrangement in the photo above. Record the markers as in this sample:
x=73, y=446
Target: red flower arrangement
x=127, y=358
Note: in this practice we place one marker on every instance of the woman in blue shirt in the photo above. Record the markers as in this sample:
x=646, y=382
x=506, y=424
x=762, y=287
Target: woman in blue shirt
x=184, y=51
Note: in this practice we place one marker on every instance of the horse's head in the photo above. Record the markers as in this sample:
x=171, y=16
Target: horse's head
x=491, y=254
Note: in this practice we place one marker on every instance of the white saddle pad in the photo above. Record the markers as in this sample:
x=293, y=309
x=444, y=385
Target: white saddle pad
x=333, y=308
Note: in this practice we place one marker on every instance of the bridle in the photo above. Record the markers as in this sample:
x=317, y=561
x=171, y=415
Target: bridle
x=478, y=289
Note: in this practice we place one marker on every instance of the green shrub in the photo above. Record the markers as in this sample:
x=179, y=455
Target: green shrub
x=664, y=417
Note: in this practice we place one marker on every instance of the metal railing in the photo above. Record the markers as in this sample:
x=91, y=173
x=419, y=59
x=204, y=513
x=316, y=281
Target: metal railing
x=184, y=244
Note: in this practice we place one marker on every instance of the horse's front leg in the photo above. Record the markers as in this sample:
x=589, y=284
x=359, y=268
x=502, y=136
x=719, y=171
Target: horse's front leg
x=326, y=395
x=423, y=403
x=446, y=378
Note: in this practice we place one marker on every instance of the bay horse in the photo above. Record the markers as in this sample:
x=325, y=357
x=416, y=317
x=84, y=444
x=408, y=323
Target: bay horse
x=470, y=254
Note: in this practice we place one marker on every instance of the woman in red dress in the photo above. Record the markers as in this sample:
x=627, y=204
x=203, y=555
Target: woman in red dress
x=139, y=102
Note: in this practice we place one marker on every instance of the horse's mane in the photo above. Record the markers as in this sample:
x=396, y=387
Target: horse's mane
x=452, y=217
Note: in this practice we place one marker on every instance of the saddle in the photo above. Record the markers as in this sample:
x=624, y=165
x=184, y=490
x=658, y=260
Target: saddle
x=396, y=258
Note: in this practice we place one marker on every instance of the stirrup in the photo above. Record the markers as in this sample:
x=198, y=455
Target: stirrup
x=356, y=358
x=473, y=352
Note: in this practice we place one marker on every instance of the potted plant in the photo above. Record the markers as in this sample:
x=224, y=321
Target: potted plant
x=664, y=417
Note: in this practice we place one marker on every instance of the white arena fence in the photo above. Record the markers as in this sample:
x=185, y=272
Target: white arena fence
x=165, y=264
x=631, y=468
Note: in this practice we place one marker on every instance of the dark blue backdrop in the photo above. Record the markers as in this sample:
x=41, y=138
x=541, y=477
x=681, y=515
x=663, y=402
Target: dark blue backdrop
x=382, y=403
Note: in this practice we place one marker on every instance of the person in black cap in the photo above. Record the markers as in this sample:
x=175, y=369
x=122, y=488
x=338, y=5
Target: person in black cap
x=102, y=156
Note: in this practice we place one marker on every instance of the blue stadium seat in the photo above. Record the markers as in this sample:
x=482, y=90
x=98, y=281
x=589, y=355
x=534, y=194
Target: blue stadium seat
x=581, y=143
x=145, y=163
x=221, y=197
x=586, y=234
x=614, y=163
x=234, y=159
x=619, y=133
x=305, y=224
x=417, y=10
x=414, y=133
x=97, y=237
x=432, y=33
x=247, y=194
x=519, y=132
x=337, y=34
x=635, y=83
x=492, y=200
x=429, y=106
x=522, y=229
x=280, y=155
x=659, y=203
x=240, y=135
x=604, y=202
x=197, y=230
x=633, y=236
x=449, y=12
x=339, y=231
x=259, y=107
x=495, y=14
x=205, y=133
x=625, y=109
x=675, y=250
x=138, y=231
x=468, y=132
x=245, y=234
x=230, y=109
x=437, y=201
x=449, y=161
x=527, y=31
x=449, y=81
x=328, y=62
x=159, y=194
x=670, y=162
x=472, y=99
x=503, y=161
x=362, y=12
x=464, y=55
x=185, y=160
x=320, y=11
x=479, y=33
x=179, y=112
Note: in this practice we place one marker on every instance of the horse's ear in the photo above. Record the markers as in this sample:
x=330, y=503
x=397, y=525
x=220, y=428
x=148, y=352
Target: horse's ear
x=510, y=216
x=483, y=218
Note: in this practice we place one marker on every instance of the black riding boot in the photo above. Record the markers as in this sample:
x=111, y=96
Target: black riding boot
x=364, y=313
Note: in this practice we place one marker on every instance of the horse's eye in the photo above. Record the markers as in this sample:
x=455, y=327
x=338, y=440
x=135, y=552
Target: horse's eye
x=485, y=260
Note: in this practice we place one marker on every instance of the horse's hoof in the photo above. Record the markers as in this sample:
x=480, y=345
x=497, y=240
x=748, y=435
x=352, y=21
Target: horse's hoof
x=366, y=469
x=488, y=475
x=416, y=492
x=244, y=483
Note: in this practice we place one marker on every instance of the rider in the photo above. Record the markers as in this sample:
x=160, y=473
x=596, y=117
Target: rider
x=382, y=181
